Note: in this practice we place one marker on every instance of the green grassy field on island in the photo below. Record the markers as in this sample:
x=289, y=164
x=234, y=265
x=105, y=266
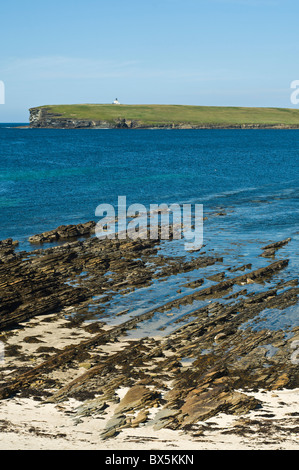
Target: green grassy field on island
x=178, y=114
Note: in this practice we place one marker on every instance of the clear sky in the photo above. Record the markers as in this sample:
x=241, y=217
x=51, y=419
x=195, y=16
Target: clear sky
x=196, y=52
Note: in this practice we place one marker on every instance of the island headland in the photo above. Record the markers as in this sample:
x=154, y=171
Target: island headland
x=111, y=116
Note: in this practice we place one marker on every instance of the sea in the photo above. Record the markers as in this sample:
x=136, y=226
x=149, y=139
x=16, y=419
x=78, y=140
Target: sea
x=246, y=180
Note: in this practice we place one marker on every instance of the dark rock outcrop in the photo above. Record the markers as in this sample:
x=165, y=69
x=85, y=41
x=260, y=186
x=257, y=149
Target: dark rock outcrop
x=64, y=232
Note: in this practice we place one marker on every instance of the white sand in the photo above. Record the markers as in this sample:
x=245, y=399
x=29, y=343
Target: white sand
x=26, y=424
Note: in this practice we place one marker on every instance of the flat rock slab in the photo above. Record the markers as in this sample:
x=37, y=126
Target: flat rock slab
x=137, y=397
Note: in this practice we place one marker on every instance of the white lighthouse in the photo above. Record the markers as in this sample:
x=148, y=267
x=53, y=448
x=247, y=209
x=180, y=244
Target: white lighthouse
x=116, y=101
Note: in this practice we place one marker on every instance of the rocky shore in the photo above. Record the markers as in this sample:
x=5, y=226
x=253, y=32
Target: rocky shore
x=63, y=339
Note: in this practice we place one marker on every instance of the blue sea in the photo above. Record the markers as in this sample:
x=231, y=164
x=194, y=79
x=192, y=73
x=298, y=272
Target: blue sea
x=53, y=177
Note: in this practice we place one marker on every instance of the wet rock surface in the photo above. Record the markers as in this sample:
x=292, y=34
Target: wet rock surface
x=64, y=232
x=216, y=352
x=270, y=250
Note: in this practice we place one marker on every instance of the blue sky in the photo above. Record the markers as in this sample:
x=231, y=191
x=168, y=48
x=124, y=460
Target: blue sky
x=196, y=52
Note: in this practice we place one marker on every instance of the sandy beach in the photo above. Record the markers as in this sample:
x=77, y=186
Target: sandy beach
x=27, y=424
